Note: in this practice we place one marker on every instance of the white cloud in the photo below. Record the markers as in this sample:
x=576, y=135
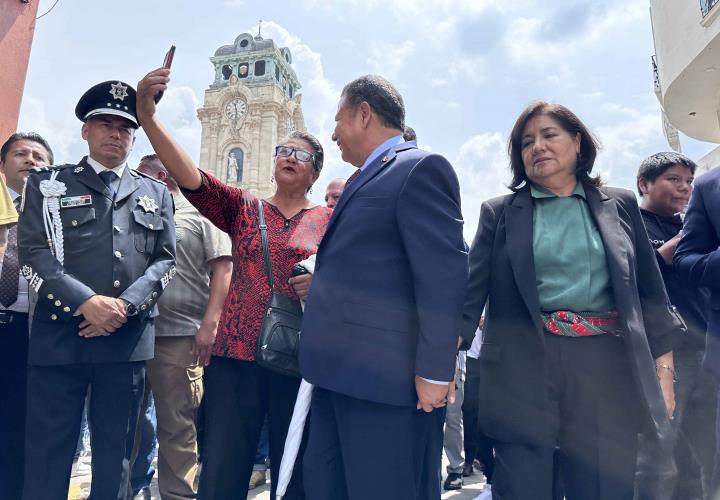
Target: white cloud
x=233, y=3
x=482, y=169
x=63, y=135
x=388, y=59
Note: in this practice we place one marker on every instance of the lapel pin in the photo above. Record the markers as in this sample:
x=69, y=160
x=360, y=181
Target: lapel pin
x=78, y=170
x=384, y=159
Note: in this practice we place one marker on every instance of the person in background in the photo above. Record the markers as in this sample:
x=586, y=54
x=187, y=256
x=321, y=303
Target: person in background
x=697, y=260
x=18, y=155
x=453, y=435
x=577, y=346
x=664, y=182
x=333, y=192
x=185, y=332
x=239, y=393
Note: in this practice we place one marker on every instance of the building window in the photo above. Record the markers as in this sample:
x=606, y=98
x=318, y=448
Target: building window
x=226, y=72
x=277, y=73
x=243, y=70
x=244, y=43
x=235, y=165
x=290, y=91
x=259, y=68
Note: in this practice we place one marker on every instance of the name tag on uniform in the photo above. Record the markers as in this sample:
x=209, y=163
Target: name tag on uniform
x=75, y=201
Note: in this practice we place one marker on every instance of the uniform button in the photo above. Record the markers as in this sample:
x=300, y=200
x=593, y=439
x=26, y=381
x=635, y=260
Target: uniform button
x=151, y=226
x=143, y=307
x=117, y=254
x=154, y=295
x=74, y=223
x=50, y=296
x=116, y=228
x=58, y=303
x=53, y=317
x=116, y=284
x=66, y=309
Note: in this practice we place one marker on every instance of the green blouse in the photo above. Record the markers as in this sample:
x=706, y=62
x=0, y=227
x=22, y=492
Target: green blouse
x=570, y=266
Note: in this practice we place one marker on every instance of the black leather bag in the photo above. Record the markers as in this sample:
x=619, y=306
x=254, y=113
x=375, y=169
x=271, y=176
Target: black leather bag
x=279, y=337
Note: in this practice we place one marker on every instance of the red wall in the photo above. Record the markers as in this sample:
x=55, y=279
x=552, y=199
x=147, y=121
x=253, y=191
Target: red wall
x=17, y=25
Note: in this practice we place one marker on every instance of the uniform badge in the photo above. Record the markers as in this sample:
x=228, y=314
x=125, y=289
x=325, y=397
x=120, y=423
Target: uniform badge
x=79, y=169
x=147, y=204
x=75, y=201
x=118, y=91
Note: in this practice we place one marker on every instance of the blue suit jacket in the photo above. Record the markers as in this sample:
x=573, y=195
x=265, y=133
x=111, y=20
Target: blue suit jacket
x=698, y=256
x=389, y=281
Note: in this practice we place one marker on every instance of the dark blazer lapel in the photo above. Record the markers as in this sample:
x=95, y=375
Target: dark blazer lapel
x=128, y=185
x=519, y=247
x=87, y=176
x=604, y=210
x=365, y=176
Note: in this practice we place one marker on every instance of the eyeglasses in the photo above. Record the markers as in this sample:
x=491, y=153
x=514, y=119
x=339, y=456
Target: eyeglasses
x=300, y=155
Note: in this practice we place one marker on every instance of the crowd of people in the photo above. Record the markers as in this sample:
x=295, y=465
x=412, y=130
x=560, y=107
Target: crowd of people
x=571, y=351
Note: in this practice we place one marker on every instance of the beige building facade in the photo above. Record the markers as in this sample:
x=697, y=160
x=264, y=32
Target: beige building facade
x=252, y=103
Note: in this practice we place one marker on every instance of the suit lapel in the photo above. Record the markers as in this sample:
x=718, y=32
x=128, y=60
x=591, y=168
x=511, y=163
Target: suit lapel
x=519, y=246
x=377, y=166
x=87, y=176
x=128, y=185
x=604, y=210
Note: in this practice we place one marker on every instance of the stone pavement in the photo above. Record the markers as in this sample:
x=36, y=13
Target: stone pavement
x=80, y=485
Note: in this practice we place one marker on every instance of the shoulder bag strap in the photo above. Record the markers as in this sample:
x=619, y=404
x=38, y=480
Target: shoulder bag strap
x=266, y=250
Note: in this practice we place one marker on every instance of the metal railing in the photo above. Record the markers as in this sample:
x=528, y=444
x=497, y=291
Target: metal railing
x=656, y=73
x=707, y=5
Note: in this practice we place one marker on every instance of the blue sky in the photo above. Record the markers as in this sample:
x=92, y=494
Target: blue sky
x=466, y=68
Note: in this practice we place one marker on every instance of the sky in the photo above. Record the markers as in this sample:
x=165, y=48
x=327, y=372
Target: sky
x=465, y=68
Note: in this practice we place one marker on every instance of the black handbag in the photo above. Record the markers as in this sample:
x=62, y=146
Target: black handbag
x=279, y=337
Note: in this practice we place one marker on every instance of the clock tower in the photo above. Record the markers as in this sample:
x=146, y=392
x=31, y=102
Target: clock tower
x=252, y=104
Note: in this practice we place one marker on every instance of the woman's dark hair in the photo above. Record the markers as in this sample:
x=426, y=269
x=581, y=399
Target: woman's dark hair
x=318, y=154
x=571, y=124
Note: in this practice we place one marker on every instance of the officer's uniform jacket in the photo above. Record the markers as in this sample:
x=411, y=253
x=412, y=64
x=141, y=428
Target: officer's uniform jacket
x=123, y=248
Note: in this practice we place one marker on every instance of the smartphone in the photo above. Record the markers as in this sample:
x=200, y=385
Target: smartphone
x=167, y=63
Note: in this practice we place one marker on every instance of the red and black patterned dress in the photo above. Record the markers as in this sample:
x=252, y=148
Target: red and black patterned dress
x=235, y=211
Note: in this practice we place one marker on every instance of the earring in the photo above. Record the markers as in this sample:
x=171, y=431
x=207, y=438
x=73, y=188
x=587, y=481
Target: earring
x=272, y=179
x=310, y=190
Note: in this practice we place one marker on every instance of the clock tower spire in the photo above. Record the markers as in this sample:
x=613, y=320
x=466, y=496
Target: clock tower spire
x=252, y=103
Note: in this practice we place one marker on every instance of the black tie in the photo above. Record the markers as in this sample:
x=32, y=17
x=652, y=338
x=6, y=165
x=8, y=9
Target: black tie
x=10, y=270
x=108, y=176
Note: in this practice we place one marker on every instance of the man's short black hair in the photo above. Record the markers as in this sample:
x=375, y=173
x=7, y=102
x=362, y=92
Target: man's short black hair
x=382, y=96
x=655, y=165
x=409, y=134
x=26, y=136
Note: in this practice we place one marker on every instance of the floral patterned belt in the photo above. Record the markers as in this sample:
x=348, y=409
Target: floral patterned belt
x=585, y=324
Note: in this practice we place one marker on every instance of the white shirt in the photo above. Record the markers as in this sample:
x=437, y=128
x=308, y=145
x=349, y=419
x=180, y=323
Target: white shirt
x=99, y=167
x=474, y=351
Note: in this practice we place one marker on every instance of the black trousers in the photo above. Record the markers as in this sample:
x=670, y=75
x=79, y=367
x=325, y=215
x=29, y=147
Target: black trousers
x=56, y=396
x=475, y=442
x=238, y=396
x=14, y=346
x=361, y=450
x=593, y=420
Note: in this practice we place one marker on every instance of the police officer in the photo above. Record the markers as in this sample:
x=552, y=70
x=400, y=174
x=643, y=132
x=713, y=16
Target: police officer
x=97, y=246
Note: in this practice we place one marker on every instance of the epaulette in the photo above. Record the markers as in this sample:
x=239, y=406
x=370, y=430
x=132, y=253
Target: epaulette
x=50, y=168
x=133, y=171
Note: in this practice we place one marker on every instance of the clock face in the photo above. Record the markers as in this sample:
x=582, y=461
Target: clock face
x=235, y=109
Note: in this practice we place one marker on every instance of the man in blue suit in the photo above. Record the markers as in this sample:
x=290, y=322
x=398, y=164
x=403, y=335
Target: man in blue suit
x=380, y=326
x=698, y=260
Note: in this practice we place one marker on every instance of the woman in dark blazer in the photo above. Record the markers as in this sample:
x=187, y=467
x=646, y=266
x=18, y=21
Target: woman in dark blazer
x=576, y=351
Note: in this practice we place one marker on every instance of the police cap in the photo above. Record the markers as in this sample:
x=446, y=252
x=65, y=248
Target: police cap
x=108, y=98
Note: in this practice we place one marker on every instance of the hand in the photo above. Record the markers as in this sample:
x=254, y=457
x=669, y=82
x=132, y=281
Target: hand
x=147, y=88
x=431, y=396
x=667, y=251
x=301, y=285
x=204, y=341
x=103, y=314
x=668, y=390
